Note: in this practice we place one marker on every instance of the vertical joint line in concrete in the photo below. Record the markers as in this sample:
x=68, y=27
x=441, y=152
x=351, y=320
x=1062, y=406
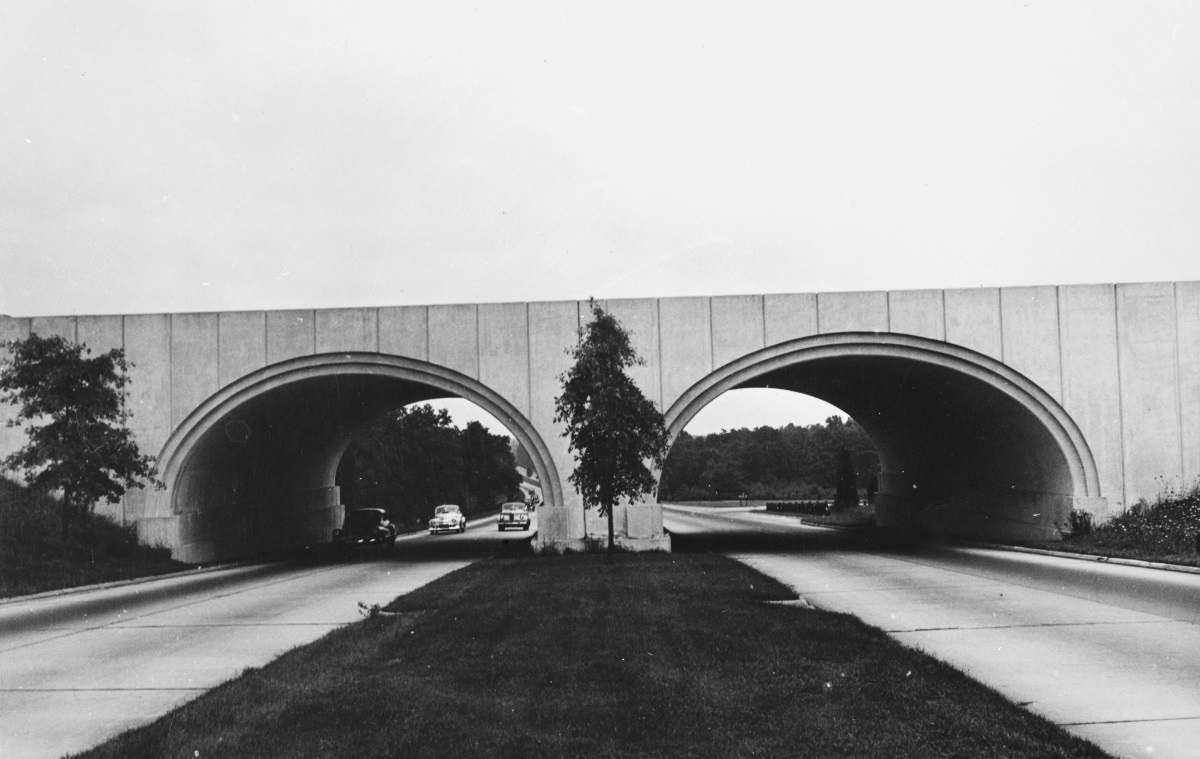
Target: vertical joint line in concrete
x=817, y=310
x=1062, y=382
x=945, y=326
x=658, y=348
x=712, y=338
x=218, y=320
x=428, y=351
x=887, y=310
x=171, y=372
x=478, y=347
x=763, y=307
x=1179, y=380
x=1120, y=398
x=528, y=363
x=378, y=339
x=1000, y=313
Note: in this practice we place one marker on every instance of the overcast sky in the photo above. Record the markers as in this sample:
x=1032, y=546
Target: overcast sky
x=201, y=156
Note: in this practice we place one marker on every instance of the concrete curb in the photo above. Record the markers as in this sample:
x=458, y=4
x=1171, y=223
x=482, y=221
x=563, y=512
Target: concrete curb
x=76, y=589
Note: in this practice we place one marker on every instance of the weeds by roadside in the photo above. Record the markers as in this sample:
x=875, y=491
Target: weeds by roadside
x=33, y=557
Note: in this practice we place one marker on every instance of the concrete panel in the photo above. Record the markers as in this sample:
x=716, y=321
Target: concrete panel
x=290, y=334
x=63, y=326
x=1148, y=343
x=101, y=333
x=454, y=338
x=404, y=331
x=917, y=312
x=11, y=439
x=738, y=327
x=347, y=330
x=193, y=362
x=504, y=351
x=242, y=337
x=1029, y=329
x=1187, y=296
x=789, y=317
x=148, y=348
x=1091, y=382
x=973, y=320
x=12, y=328
x=639, y=317
x=553, y=329
x=685, y=329
x=852, y=312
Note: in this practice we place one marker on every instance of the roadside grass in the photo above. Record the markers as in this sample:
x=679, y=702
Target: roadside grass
x=33, y=557
x=1167, y=531
x=649, y=655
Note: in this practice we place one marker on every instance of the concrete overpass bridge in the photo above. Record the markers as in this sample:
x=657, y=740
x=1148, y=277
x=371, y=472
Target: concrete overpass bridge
x=995, y=410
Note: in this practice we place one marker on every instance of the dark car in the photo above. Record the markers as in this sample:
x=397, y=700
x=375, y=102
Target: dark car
x=513, y=516
x=365, y=527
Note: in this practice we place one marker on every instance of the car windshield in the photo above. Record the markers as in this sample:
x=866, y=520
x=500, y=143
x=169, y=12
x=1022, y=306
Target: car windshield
x=513, y=507
x=363, y=519
x=444, y=510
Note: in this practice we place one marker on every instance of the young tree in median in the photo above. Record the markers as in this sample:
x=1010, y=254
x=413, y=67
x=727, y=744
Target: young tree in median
x=613, y=429
x=72, y=405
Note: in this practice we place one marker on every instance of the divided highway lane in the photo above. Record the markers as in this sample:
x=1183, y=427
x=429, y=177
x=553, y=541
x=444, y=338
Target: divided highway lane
x=79, y=668
x=1110, y=652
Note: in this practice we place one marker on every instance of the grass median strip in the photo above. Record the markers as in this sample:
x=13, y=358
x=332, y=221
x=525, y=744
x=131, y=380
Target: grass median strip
x=651, y=655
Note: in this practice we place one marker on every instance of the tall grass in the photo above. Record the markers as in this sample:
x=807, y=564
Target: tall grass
x=1165, y=530
x=34, y=558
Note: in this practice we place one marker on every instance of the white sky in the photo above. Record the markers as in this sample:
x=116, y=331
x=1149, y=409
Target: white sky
x=200, y=156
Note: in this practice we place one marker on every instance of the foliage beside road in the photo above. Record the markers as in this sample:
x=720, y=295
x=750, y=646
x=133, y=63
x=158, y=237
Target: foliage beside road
x=1167, y=531
x=650, y=655
x=771, y=464
x=34, y=558
x=414, y=459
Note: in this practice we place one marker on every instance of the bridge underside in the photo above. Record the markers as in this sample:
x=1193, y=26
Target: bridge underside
x=958, y=455
x=263, y=476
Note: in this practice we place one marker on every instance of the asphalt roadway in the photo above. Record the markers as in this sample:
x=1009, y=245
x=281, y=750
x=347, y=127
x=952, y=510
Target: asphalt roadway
x=80, y=667
x=1109, y=652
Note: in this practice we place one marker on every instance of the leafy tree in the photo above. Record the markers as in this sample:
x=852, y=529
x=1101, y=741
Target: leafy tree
x=415, y=458
x=612, y=427
x=489, y=466
x=847, y=482
x=72, y=405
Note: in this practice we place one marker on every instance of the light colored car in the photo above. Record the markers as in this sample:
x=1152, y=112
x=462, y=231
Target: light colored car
x=447, y=518
x=513, y=516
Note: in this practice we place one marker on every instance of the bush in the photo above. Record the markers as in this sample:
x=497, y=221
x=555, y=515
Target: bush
x=1167, y=527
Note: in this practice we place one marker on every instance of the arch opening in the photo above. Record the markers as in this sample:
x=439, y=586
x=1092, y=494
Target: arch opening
x=967, y=446
x=254, y=468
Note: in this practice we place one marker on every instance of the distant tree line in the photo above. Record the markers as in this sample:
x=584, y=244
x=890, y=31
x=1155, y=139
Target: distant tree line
x=415, y=458
x=771, y=463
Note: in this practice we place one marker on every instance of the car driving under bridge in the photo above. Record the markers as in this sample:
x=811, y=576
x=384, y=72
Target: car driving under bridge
x=996, y=411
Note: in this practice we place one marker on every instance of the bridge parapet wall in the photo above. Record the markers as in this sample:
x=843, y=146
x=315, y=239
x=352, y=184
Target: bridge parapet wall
x=1122, y=360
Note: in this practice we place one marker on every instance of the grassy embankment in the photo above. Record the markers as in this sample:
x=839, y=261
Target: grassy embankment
x=33, y=557
x=651, y=655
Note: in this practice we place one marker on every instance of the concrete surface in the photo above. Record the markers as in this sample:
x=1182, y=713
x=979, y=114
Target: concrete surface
x=1109, y=652
x=76, y=670
x=1108, y=374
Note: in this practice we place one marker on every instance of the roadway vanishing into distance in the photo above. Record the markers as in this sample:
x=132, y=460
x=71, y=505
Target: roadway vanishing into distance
x=79, y=668
x=1109, y=652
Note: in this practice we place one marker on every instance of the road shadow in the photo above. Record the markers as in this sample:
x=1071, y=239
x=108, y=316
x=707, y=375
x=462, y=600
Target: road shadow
x=750, y=540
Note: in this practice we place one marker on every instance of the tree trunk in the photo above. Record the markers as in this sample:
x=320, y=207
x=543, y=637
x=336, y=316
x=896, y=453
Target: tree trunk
x=67, y=513
x=609, y=554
